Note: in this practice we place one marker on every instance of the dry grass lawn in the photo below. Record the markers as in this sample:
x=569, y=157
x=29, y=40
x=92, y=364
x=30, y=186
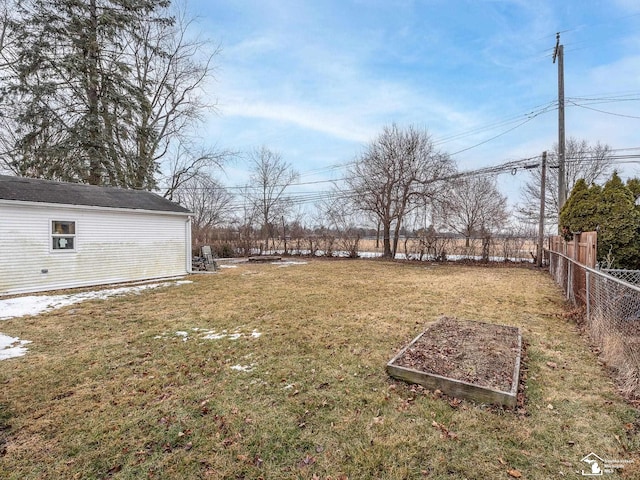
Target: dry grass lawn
x=108, y=388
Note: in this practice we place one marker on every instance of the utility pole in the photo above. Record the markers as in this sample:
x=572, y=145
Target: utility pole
x=543, y=181
x=562, y=177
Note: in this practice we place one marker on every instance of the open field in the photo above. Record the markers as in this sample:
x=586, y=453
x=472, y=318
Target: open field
x=513, y=249
x=268, y=372
x=499, y=248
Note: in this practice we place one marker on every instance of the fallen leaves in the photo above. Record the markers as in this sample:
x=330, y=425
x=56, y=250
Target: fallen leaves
x=249, y=460
x=445, y=433
x=307, y=461
x=113, y=470
x=515, y=473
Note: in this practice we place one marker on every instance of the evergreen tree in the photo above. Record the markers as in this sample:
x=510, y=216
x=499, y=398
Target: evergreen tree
x=580, y=212
x=75, y=93
x=612, y=212
x=619, y=224
x=633, y=184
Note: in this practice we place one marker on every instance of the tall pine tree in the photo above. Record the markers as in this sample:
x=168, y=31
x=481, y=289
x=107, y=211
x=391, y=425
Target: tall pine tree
x=76, y=94
x=610, y=210
x=620, y=224
x=580, y=212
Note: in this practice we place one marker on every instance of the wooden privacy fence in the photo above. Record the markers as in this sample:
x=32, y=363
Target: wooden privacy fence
x=583, y=248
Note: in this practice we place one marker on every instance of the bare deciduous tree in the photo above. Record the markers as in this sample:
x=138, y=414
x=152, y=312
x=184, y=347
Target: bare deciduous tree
x=244, y=221
x=182, y=165
x=474, y=205
x=9, y=128
x=270, y=177
x=7, y=9
x=395, y=173
x=590, y=162
x=209, y=201
x=173, y=68
x=342, y=218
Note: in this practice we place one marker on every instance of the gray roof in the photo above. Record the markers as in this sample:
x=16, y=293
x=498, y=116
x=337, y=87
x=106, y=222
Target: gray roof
x=46, y=191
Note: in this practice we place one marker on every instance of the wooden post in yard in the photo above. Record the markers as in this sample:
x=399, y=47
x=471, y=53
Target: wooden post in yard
x=284, y=235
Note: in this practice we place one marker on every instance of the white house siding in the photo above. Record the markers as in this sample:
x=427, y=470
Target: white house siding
x=112, y=245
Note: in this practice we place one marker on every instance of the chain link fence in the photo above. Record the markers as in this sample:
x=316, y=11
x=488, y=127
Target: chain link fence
x=629, y=276
x=612, y=315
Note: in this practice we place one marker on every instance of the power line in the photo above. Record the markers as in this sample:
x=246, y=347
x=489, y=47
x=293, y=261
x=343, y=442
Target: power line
x=603, y=111
x=492, y=138
x=534, y=112
x=528, y=116
x=505, y=167
x=258, y=187
x=513, y=167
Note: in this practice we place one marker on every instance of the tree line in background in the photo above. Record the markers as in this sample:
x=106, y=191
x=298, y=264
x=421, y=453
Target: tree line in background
x=401, y=186
x=110, y=92
x=410, y=197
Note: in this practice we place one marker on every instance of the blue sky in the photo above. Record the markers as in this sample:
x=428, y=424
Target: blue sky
x=317, y=80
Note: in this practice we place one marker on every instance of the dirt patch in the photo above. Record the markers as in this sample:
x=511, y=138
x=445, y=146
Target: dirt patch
x=475, y=352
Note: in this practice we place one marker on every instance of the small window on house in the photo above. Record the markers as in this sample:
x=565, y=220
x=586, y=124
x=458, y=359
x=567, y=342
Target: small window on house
x=63, y=235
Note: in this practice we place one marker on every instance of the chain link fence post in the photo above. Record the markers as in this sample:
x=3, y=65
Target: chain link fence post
x=612, y=314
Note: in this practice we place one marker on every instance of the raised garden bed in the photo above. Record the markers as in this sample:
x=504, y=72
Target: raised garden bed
x=464, y=359
x=265, y=258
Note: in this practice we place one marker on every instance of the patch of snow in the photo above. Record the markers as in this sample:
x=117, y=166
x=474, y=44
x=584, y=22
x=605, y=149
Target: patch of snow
x=11, y=347
x=242, y=368
x=184, y=335
x=214, y=336
x=37, y=304
x=227, y=266
x=289, y=263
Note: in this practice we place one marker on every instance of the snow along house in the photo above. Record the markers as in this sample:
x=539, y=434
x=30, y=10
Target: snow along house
x=57, y=235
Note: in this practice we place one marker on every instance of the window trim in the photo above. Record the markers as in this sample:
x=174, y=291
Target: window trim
x=53, y=235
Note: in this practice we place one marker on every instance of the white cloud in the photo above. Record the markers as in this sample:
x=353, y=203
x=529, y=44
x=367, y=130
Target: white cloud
x=630, y=6
x=302, y=116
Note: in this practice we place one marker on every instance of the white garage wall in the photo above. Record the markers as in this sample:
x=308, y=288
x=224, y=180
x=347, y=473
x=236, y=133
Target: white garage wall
x=112, y=245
